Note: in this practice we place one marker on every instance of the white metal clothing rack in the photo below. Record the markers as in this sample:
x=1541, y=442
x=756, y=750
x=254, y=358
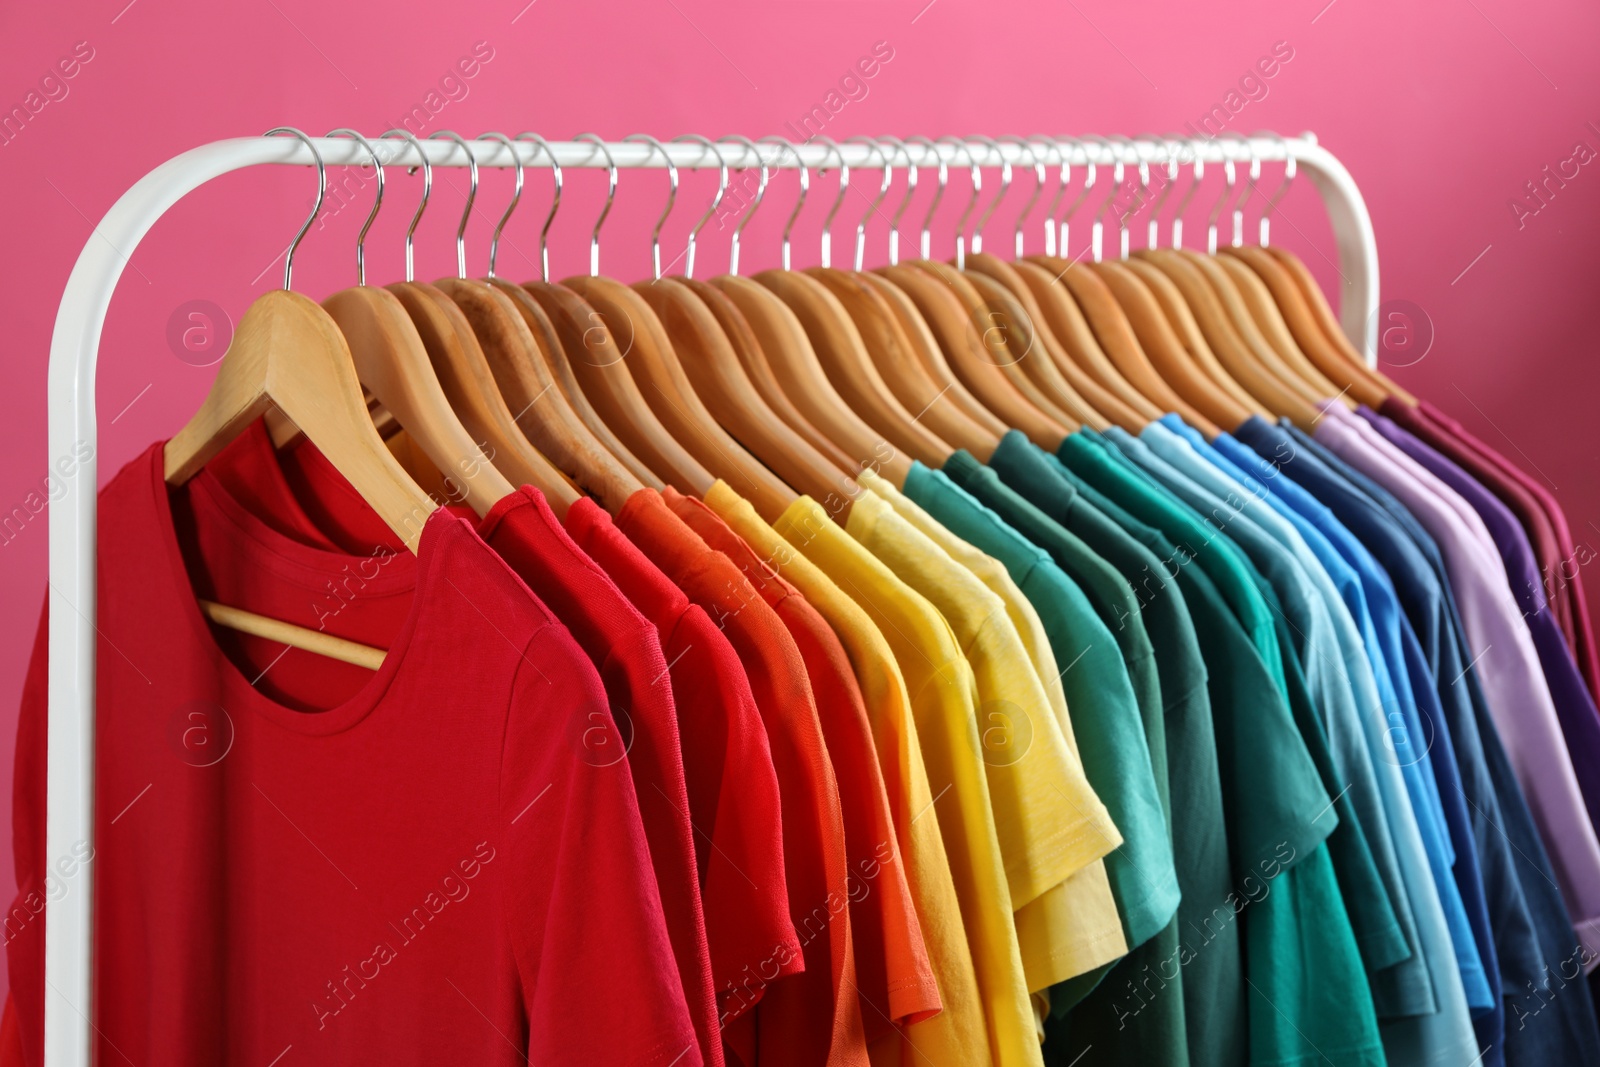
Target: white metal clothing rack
x=73, y=425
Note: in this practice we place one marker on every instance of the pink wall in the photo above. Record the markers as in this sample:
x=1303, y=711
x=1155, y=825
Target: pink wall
x=1443, y=111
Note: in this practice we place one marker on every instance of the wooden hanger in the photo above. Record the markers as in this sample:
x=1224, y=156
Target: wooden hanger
x=1268, y=320
x=718, y=380
x=1331, y=330
x=800, y=374
x=902, y=371
x=557, y=369
x=659, y=375
x=838, y=346
x=1210, y=403
x=536, y=408
x=1181, y=319
x=1242, y=362
x=600, y=366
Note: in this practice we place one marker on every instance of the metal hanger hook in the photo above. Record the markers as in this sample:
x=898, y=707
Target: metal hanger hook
x=1000, y=194
x=883, y=191
x=1171, y=144
x=1252, y=177
x=1063, y=180
x=1199, y=166
x=925, y=238
x=716, y=201
x=761, y=193
x=611, y=196
x=1089, y=177
x=516, y=196
x=1097, y=239
x=838, y=201
x=472, y=194
x=977, y=189
x=1039, y=169
x=555, y=202
x=1136, y=204
x=672, y=198
x=322, y=189
x=422, y=205
x=377, y=201
x=1231, y=173
x=800, y=200
x=911, y=188
x=1290, y=166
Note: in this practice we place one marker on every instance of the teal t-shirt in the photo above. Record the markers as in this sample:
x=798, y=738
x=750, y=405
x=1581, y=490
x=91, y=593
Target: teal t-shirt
x=1308, y=994
x=1213, y=985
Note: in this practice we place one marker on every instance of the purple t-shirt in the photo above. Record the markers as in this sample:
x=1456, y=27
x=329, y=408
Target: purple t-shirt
x=1506, y=660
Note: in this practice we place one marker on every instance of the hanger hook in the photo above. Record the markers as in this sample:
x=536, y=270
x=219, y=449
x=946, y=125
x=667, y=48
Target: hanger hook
x=1138, y=202
x=1000, y=194
x=322, y=189
x=1198, y=166
x=1231, y=174
x=1097, y=231
x=422, y=205
x=800, y=200
x=925, y=239
x=516, y=196
x=611, y=196
x=472, y=194
x=555, y=202
x=1252, y=177
x=1290, y=166
x=761, y=192
x=377, y=201
x=716, y=201
x=1062, y=181
x=883, y=191
x=1153, y=227
x=977, y=188
x=1089, y=177
x=838, y=201
x=672, y=198
x=911, y=188
x=1033, y=161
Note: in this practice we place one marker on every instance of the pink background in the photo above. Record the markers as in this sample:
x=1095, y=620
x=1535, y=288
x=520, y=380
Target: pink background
x=1442, y=111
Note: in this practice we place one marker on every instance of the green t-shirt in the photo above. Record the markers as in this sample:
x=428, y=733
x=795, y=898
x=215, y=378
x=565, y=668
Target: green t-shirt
x=1105, y=714
x=1205, y=953
x=1308, y=993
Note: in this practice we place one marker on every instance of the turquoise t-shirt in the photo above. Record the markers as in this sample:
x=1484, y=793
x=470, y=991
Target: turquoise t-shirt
x=1308, y=990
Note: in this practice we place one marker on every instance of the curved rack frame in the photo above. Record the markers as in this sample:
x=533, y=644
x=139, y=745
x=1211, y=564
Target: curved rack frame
x=73, y=427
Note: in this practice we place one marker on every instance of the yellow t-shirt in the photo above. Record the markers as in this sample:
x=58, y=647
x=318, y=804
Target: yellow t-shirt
x=958, y=1034
x=1053, y=829
x=942, y=690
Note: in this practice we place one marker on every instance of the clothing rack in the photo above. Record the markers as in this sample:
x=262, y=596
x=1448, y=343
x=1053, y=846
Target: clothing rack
x=73, y=422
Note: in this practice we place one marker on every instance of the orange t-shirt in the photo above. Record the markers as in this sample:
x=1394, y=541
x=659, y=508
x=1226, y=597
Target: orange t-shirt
x=813, y=1017
x=893, y=974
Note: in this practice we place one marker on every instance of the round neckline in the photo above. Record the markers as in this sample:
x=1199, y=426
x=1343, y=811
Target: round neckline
x=289, y=554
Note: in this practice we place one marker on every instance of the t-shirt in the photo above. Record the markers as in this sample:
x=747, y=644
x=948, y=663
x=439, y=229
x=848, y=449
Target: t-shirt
x=732, y=786
x=1507, y=664
x=1211, y=981
x=814, y=1016
x=1282, y=817
x=377, y=872
x=621, y=643
x=1050, y=824
x=957, y=1034
x=942, y=690
x=883, y=921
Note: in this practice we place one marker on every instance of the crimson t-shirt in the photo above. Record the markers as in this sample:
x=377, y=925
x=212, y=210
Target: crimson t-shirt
x=298, y=857
x=814, y=1017
x=893, y=974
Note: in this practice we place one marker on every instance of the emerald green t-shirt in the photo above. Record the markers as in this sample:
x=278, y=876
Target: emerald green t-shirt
x=1206, y=953
x=1308, y=993
x=1105, y=714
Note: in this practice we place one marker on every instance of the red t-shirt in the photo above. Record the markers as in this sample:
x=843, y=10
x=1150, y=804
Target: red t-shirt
x=414, y=864
x=733, y=789
x=894, y=976
x=814, y=1017
x=621, y=643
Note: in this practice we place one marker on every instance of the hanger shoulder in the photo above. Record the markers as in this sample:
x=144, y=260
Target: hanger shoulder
x=1022, y=346
x=890, y=350
x=1116, y=359
x=1268, y=319
x=1075, y=347
x=599, y=363
x=800, y=374
x=838, y=346
x=288, y=352
x=1331, y=330
x=1200, y=396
